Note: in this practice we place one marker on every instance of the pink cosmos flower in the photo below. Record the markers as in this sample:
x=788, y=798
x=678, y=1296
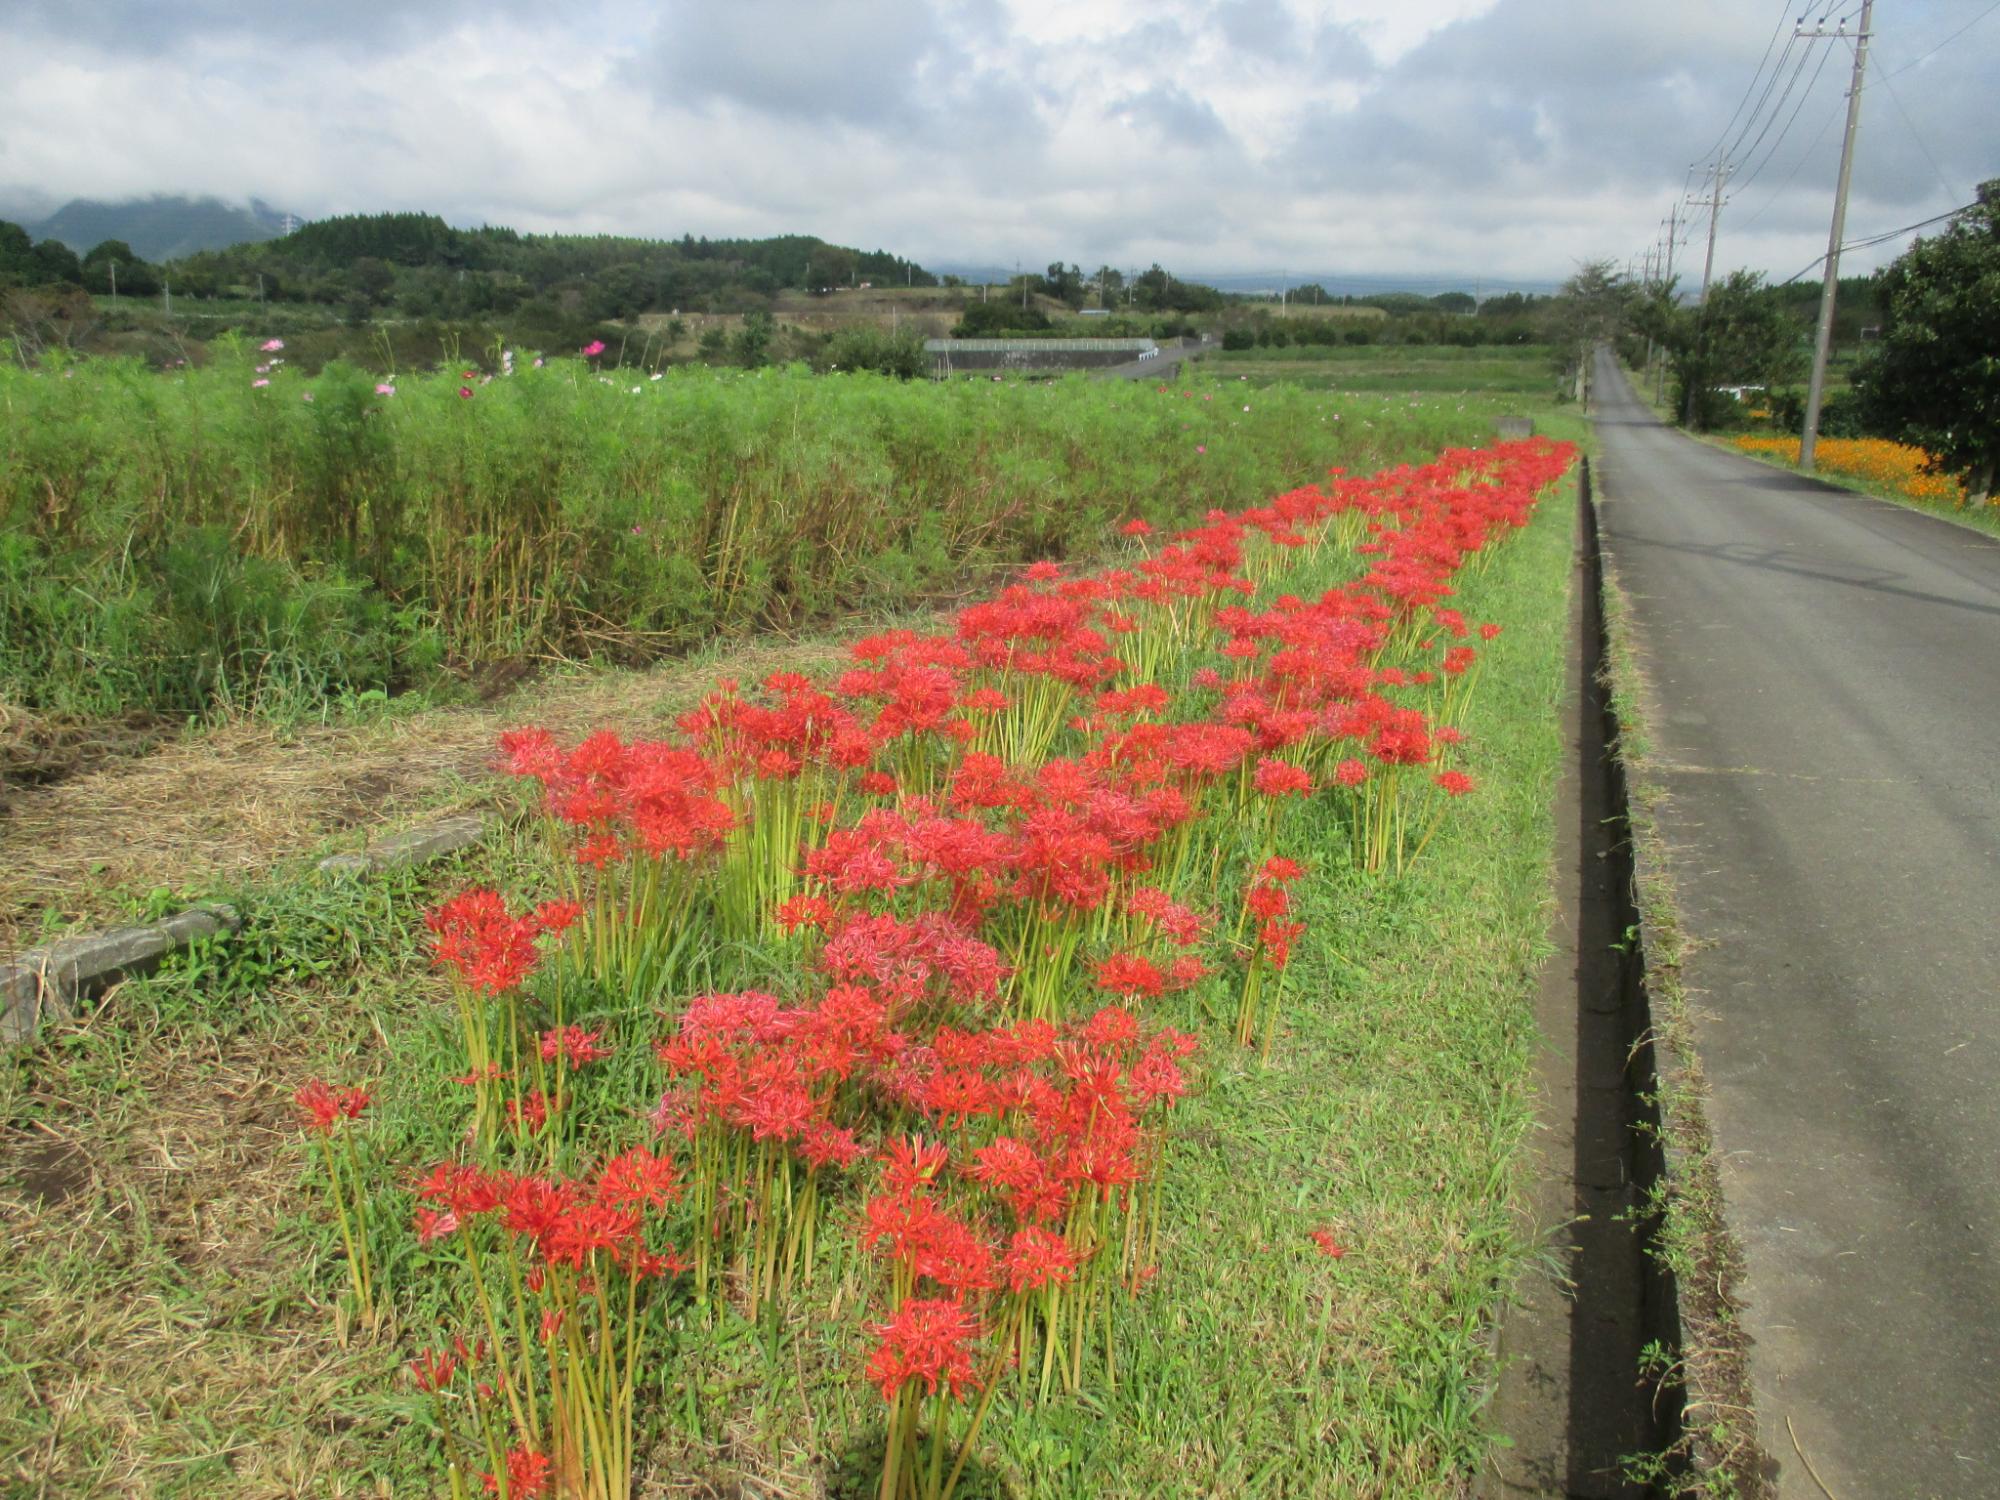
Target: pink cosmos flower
x=258, y=384
x=465, y=392
x=385, y=389
x=272, y=346
x=594, y=348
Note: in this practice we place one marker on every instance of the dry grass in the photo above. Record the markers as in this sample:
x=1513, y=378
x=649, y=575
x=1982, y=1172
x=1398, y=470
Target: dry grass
x=246, y=797
x=157, y=1337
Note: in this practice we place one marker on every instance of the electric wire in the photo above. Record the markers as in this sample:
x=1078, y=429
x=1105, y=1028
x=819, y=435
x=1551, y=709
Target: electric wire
x=1757, y=110
x=1784, y=9
x=1750, y=174
x=1878, y=239
x=1909, y=124
x=1920, y=57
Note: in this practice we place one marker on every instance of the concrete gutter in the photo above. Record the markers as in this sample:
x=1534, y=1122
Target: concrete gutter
x=49, y=984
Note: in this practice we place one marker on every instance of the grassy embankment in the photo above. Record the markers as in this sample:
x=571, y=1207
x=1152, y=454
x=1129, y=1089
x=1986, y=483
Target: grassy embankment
x=155, y=1214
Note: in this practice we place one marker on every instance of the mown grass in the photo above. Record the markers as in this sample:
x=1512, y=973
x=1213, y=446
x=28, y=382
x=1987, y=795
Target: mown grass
x=157, y=1212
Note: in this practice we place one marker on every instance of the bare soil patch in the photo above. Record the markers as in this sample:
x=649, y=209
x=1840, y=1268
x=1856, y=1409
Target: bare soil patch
x=244, y=797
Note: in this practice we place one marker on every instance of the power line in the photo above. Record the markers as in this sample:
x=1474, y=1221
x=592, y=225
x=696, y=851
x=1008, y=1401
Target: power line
x=1945, y=43
x=1804, y=157
x=1751, y=175
x=1896, y=99
x=1777, y=71
x=1784, y=9
x=1877, y=239
x=1738, y=150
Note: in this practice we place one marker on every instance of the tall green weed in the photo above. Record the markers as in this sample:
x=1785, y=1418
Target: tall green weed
x=194, y=542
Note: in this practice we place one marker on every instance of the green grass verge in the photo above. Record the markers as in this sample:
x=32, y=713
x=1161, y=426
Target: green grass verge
x=1389, y=369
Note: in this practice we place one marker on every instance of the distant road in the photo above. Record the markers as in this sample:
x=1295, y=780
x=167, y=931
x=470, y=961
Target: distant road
x=1827, y=677
x=1168, y=363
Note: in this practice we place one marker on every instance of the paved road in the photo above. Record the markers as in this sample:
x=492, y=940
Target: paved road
x=1827, y=674
x=1166, y=365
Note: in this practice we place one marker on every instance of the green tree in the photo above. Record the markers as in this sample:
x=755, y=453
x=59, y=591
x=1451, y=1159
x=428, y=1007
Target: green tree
x=753, y=341
x=1743, y=336
x=1934, y=378
x=1589, y=310
x=54, y=263
x=998, y=318
x=17, y=255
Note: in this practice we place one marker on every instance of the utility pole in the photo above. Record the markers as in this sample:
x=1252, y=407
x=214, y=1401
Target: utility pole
x=1667, y=280
x=1719, y=172
x=114, y=282
x=1823, y=338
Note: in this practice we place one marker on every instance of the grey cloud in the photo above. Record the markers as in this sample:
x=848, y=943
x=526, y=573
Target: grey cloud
x=1263, y=28
x=1176, y=116
x=860, y=63
x=149, y=27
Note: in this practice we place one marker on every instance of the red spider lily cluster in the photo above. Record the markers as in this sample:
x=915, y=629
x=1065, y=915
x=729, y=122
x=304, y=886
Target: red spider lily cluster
x=966, y=881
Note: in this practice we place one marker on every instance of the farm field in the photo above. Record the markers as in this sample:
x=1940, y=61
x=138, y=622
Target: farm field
x=1341, y=1243
x=1409, y=369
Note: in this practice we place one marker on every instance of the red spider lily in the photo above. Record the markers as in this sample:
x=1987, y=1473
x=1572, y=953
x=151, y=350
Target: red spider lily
x=574, y=1046
x=992, y=817
x=433, y=1370
x=1329, y=1245
x=324, y=1107
x=928, y=1341
x=1131, y=975
x=435, y=1224
x=638, y=1179
x=527, y=1475
x=1276, y=778
x=1036, y=1258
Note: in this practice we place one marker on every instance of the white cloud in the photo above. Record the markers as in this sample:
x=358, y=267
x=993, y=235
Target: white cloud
x=1504, y=138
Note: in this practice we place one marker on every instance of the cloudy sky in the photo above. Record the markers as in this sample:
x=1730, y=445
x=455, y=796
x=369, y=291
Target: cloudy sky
x=1426, y=139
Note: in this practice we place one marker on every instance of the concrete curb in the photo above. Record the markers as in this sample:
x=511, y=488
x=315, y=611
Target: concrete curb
x=416, y=847
x=46, y=984
x=49, y=982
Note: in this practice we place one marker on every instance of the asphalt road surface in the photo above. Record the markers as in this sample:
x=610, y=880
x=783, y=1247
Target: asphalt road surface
x=1826, y=679
x=1166, y=365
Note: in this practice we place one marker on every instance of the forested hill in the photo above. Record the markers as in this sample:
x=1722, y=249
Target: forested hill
x=422, y=266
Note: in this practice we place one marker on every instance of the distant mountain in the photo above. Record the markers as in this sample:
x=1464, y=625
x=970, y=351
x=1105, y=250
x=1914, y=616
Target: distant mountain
x=160, y=228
